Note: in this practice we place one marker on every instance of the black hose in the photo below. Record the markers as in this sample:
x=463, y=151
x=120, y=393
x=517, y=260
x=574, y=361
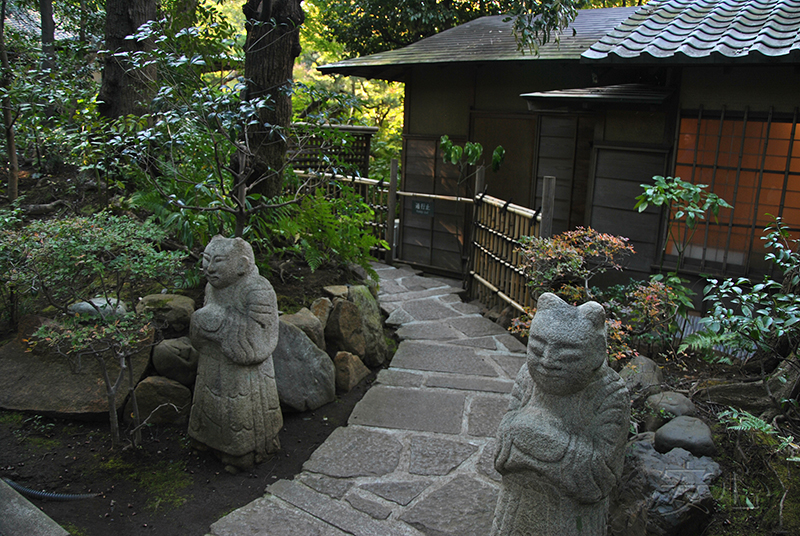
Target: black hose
x=48, y=495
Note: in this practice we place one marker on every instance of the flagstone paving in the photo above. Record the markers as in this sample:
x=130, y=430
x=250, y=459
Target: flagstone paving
x=417, y=454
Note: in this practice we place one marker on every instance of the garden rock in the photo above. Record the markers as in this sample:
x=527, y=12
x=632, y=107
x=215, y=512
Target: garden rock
x=350, y=370
x=345, y=330
x=750, y=396
x=687, y=433
x=337, y=291
x=176, y=359
x=664, y=406
x=305, y=374
x=71, y=390
x=161, y=401
x=172, y=309
x=107, y=306
x=662, y=494
x=376, y=350
x=643, y=377
x=310, y=324
x=322, y=308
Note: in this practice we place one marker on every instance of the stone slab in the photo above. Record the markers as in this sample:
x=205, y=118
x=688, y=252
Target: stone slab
x=71, y=392
x=436, y=456
x=486, y=462
x=400, y=378
x=260, y=517
x=401, y=493
x=334, y=512
x=19, y=516
x=373, y=509
x=416, y=355
x=511, y=343
x=469, y=383
x=430, y=309
x=431, y=331
x=485, y=414
x=486, y=343
x=510, y=363
x=409, y=409
x=462, y=507
x=332, y=487
x=354, y=451
x=419, y=294
x=476, y=326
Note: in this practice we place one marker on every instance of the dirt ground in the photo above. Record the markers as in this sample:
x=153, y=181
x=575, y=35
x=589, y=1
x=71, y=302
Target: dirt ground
x=164, y=487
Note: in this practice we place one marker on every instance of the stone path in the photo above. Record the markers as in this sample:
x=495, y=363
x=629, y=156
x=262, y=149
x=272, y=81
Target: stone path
x=417, y=454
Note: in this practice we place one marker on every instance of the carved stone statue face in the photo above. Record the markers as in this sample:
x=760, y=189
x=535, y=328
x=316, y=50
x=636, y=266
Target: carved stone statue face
x=225, y=262
x=566, y=345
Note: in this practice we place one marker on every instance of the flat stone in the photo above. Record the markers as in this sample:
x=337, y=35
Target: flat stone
x=434, y=456
x=467, y=308
x=354, y=451
x=401, y=493
x=419, y=282
x=398, y=317
x=469, y=383
x=410, y=409
x=419, y=294
x=476, y=326
x=510, y=363
x=254, y=519
x=70, y=392
x=390, y=307
x=485, y=414
x=427, y=331
x=511, y=343
x=486, y=343
x=441, y=358
x=390, y=286
x=688, y=433
x=332, y=487
x=373, y=509
x=430, y=309
x=110, y=307
x=400, y=378
x=462, y=507
x=20, y=516
x=331, y=511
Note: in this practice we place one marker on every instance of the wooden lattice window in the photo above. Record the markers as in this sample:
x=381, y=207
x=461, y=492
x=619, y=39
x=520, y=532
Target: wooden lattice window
x=751, y=161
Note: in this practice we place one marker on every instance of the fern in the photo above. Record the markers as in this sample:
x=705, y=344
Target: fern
x=709, y=345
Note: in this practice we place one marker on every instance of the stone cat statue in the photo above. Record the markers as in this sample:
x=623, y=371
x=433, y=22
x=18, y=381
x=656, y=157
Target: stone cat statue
x=561, y=444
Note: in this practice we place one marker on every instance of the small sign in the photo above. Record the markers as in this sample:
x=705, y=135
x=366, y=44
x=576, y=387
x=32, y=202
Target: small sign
x=423, y=208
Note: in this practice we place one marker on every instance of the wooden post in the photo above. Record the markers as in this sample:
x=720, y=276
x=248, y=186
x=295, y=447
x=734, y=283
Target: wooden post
x=548, y=200
x=391, y=207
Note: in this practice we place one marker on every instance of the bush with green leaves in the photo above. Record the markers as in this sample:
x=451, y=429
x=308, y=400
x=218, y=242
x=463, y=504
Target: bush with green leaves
x=78, y=260
x=761, y=317
x=329, y=231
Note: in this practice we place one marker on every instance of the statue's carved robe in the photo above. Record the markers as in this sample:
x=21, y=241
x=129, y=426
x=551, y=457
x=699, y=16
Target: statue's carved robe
x=560, y=456
x=236, y=408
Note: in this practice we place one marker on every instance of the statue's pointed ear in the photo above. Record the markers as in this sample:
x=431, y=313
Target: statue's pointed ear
x=593, y=312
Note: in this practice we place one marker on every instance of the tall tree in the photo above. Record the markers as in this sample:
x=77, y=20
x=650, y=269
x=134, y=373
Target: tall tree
x=48, y=34
x=272, y=44
x=126, y=90
x=8, y=116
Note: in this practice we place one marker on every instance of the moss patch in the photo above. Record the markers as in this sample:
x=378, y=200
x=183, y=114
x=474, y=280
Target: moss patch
x=163, y=482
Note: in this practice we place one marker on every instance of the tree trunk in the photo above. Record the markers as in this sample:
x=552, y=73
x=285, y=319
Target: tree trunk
x=8, y=118
x=273, y=43
x=48, y=34
x=125, y=90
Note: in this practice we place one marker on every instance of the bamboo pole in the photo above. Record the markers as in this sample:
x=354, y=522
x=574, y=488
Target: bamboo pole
x=391, y=207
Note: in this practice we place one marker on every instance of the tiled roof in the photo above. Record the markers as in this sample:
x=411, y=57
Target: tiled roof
x=714, y=31
x=486, y=39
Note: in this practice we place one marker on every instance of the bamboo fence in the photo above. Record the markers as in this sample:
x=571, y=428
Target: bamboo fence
x=495, y=276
